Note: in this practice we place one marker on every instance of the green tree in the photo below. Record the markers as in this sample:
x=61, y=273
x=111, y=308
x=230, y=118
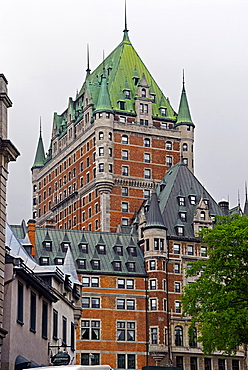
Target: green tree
x=218, y=300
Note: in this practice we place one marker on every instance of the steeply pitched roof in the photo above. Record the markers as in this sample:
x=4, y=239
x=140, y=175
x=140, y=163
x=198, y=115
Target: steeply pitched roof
x=184, y=117
x=179, y=181
x=40, y=154
x=154, y=217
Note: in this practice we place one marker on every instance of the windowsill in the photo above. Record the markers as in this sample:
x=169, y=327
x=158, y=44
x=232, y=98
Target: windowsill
x=20, y=322
x=32, y=330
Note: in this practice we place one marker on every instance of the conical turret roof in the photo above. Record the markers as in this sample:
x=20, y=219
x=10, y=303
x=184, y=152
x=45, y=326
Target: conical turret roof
x=154, y=217
x=40, y=154
x=184, y=117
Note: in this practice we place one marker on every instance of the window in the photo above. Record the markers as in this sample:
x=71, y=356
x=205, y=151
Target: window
x=180, y=230
x=193, y=363
x=190, y=249
x=125, y=154
x=177, y=307
x=147, y=157
x=152, y=265
x=125, y=221
x=147, y=194
x=124, y=207
x=143, y=93
x=90, y=359
x=85, y=302
x=185, y=161
x=168, y=145
x=44, y=319
x=185, y=147
x=130, y=284
x=125, y=283
x=131, y=266
x=154, y=335
x=90, y=329
x=95, y=264
x=126, y=331
x=178, y=336
x=221, y=364
x=147, y=143
x=128, y=304
x=101, y=151
x=101, y=135
x=95, y=302
x=235, y=364
x=124, y=139
x=122, y=119
x=163, y=112
x=117, y=265
x=181, y=201
x=124, y=191
x=165, y=305
x=168, y=161
x=183, y=216
x=73, y=336
x=192, y=199
x=177, y=287
x=203, y=251
x=101, y=167
x=118, y=250
x=153, y=304
x=110, y=136
x=55, y=324
x=33, y=312
x=179, y=362
x=147, y=173
x=202, y=215
x=193, y=339
x=20, y=303
x=125, y=170
x=207, y=363
x=176, y=248
x=101, y=249
x=127, y=94
x=153, y=284
x=64, y=330
x=110, y=151
x=126, y=361
x=121, y=105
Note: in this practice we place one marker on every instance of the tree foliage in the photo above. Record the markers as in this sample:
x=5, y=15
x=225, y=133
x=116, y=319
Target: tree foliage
x=218, y=300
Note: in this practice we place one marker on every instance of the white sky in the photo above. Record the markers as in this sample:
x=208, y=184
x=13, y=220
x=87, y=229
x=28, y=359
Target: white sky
x=43, y=57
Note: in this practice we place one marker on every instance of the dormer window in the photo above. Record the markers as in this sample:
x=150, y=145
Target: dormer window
x=153, y=97
x=101, y=249
x=192, y=200
x=132, y=251
x=143, y=93
x=65, y=246
x=163, y=112
x=44, y=260
x=127, y=94
x=47, y=246
x=117, y=265
x=95, y=264
x=118, y=250
x=59, y=261
x=131, y=266
x=121, y=105
x=83, y=247
x=181, y=201
x=180, y=230
x=185, y=161
x=81, y=264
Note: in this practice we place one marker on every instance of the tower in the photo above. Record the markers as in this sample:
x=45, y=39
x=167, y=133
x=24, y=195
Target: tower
x=110, y=147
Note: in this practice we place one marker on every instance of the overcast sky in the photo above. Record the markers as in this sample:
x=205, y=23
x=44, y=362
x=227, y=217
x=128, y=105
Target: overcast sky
x=43, y=56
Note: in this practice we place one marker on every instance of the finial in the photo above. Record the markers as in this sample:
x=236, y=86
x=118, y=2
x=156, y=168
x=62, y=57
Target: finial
x=183, y=81
x=40, y=126
x=125, y=29
x=88, y=61
x=246, y=199
x=238, y=199
x=103, y=64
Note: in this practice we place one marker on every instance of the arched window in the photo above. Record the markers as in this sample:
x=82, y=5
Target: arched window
x=143, y=93
x=101, y=135
x=178, y=336
x=193, y=338
x=168, y=145
x=124, y=139
x=185, y=147
x=202, y=215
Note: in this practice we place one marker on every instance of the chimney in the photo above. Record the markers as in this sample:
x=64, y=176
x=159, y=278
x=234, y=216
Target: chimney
x=31, y=234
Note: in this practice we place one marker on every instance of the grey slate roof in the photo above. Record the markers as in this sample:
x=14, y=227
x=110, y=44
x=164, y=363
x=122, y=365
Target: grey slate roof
x=180, y=181
x=154, y=217
x=92, y=239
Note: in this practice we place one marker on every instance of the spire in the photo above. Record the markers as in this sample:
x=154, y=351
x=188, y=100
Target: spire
x=40, y=153
x=103, y=102
x=88, y=62
x=184, y=117
x=246, y=201
x=154, y=216
x=125, y=37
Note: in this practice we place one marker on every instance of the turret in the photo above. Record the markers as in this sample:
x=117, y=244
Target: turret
x=186, y=126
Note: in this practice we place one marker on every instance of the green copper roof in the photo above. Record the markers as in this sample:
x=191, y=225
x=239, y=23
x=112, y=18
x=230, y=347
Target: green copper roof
x=123, y=67
x=40, y=154
x=184, y=117
x=103, y=102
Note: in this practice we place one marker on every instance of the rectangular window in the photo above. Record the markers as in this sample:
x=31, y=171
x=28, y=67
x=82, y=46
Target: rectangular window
x=130, y=283
x=95, y=302
x=147, y=157
x=44, y=319
x=179, y=362
x=177, y=287
x=124, y=207
x=207, y=363
x=125, y=154
x=64, y=330
x=153, y=304
x=176, y=249
x=124, y=191
x=126, y=361
x=203, y=251
x=90, y=359
x=154, y=335
x=177, y=268
x=120, y=304
x=90, y=329
x=85, y=302
x=130, y=304
x=121, y=284
x=72, y=336
x=125, y=331
x=147, y=173
x=193, y=363
x=125, y=170
x=146, y=193
x=55, y=324
x=33, y=312
x=152, y=265
x=20, y=303
x=177, y=307
x=235, y=364
x=169, y=161
x=221, y=364
x=153, y=284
